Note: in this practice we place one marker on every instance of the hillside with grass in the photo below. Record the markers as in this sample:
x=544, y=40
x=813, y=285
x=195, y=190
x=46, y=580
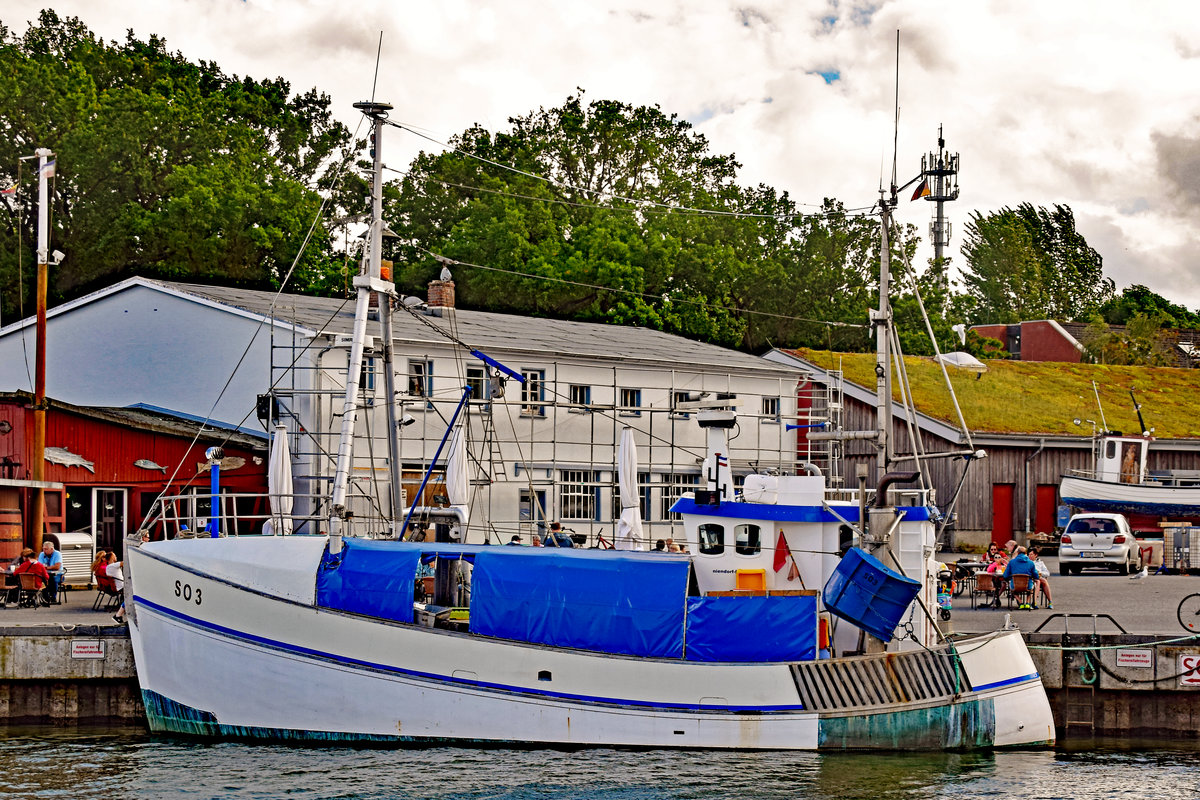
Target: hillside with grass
x=1041, y=397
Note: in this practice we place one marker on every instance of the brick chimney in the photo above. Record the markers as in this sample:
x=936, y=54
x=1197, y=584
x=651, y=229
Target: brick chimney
x=441, y=295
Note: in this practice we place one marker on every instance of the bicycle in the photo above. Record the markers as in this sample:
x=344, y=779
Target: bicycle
x=1189, y=613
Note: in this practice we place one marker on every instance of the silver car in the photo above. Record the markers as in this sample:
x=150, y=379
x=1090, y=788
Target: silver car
x=1098, y=540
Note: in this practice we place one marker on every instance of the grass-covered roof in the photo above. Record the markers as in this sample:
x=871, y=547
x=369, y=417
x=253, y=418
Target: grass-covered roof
x=1040, y=397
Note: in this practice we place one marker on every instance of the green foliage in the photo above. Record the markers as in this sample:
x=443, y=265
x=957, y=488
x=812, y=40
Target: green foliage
x=1028, y=263
x=1137, y=300
x=603, y=245
x=1140, y=343
x=164, y=168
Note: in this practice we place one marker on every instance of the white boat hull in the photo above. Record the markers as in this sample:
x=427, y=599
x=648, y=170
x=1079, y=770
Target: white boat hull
x=216, y=659
x=1088, y=494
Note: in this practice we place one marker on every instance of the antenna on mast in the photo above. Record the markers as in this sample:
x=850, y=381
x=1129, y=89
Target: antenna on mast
x=939, y=184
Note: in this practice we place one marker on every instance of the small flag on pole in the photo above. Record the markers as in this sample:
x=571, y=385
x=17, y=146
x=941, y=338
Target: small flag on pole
x=9, y=191
x=48, y=169
x=922, y=190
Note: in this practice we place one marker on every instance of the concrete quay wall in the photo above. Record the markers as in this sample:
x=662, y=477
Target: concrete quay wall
x=55, y=676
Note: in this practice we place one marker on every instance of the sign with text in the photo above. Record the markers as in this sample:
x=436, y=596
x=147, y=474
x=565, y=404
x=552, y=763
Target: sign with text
x=1143, y=659
x=87, y=648
x=1189, y=670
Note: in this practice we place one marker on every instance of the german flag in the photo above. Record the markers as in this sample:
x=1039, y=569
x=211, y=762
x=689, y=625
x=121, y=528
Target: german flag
x=922, y=190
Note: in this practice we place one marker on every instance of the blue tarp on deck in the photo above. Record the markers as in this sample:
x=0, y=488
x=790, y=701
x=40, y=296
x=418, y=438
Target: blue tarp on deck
x=369, y=577
x=752, y=628
x=593, y=600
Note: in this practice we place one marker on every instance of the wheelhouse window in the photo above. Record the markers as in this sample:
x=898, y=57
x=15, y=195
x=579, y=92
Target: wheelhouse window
x=747, y=540
x=631, y=403
x=712, y=539
x=533, y=392
x=577, y=490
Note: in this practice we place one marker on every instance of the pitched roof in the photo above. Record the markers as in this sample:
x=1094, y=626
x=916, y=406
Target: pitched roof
x=491, y=331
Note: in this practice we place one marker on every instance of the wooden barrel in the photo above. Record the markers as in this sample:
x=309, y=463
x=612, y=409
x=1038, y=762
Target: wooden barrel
x=11, y=540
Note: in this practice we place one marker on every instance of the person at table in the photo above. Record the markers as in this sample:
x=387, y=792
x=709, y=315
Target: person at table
x=51, y=559
x=30, y=564
x=557, y=537
x=992, y=551
x=1020, y=564
x=1043, y=581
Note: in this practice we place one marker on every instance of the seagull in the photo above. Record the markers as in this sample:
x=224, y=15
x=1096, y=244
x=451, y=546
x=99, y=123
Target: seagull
x=1137, y=576
x=445, y=274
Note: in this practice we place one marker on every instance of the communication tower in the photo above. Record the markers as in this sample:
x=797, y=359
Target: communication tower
x=940, y=172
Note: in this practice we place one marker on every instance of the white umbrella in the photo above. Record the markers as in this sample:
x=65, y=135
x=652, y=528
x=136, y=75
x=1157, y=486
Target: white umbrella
x=963, y=360
x=629, y=527
x=279, y=482
x=458, y=487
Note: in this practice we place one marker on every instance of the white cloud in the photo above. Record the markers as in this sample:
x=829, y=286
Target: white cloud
x=1089, y=104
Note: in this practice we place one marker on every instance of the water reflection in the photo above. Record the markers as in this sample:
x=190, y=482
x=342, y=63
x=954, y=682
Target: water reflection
x=127, y=763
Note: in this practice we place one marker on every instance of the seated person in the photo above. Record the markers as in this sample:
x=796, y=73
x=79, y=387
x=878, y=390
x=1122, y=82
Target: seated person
x=1020, y=564
x=557, y=537
x=51, y=559
x=29, y=563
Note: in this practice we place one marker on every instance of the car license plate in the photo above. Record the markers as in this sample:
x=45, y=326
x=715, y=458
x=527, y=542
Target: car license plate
x=1091, y=555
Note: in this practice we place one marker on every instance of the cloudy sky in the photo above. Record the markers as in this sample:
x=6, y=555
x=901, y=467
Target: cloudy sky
x=1089, y=103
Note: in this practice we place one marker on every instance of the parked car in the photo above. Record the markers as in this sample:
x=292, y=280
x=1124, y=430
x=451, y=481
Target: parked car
x=1098, y=540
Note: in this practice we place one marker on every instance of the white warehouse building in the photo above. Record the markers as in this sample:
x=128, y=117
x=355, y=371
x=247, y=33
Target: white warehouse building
x=545, y=450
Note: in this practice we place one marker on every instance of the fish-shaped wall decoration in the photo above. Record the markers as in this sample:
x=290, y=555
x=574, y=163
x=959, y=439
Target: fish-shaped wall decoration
x=146, y=463
x=63, y=456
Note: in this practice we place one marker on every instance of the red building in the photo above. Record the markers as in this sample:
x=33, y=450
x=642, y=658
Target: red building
x=112, y=463
x=1040, y=340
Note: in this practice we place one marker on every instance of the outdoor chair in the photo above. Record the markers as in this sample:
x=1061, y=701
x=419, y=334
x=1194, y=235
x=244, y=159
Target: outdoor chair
x=985, y=587
x=30, y=596
x=107, y=595
x=11, y=589
x=1020, y=591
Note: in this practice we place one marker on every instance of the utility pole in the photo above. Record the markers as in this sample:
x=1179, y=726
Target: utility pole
x=940, y=170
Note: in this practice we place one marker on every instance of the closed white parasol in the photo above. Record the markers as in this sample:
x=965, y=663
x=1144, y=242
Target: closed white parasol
x=458, y=487
x=279, y=482
x=629, y=527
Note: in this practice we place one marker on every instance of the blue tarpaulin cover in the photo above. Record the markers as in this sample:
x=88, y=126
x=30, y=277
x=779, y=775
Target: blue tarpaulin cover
x=752, y=628
x=370, y=577
x=593, y=600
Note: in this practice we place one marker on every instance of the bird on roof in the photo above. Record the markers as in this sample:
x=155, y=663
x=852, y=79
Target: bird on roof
x=445, y=274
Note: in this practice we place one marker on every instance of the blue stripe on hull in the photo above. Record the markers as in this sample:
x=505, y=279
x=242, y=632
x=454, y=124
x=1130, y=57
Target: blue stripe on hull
x=322, y=655
x=784, y=513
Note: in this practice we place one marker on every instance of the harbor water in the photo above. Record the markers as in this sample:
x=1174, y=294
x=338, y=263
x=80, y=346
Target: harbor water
x=115, y=764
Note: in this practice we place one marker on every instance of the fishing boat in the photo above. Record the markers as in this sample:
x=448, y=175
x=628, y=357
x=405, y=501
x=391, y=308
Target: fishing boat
x=1121, y=483
x=797, y=617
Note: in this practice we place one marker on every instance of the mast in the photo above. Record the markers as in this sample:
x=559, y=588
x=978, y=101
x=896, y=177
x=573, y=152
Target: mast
x=38, y=457
x=882, y=319
x=367, y=282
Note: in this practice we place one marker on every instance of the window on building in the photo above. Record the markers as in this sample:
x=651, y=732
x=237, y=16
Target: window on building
x=673, y=488
x=420, y=378
x=366, y=377
x=580, y=397
x=678, y=398
x=477, y=380
x=631, y=403
x=577, y=494
x=770, y=409
x=533, y=392
x=644, y=494
x=712, y=539
x=746, y=540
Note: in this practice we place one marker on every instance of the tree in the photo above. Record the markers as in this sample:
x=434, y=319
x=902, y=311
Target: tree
x=1138, y=299
x=164, y=167
x=1141, y=342
x=1031, y=263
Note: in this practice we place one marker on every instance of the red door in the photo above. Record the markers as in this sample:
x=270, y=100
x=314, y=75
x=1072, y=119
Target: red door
x=1046, y=508
x=1002, y=512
